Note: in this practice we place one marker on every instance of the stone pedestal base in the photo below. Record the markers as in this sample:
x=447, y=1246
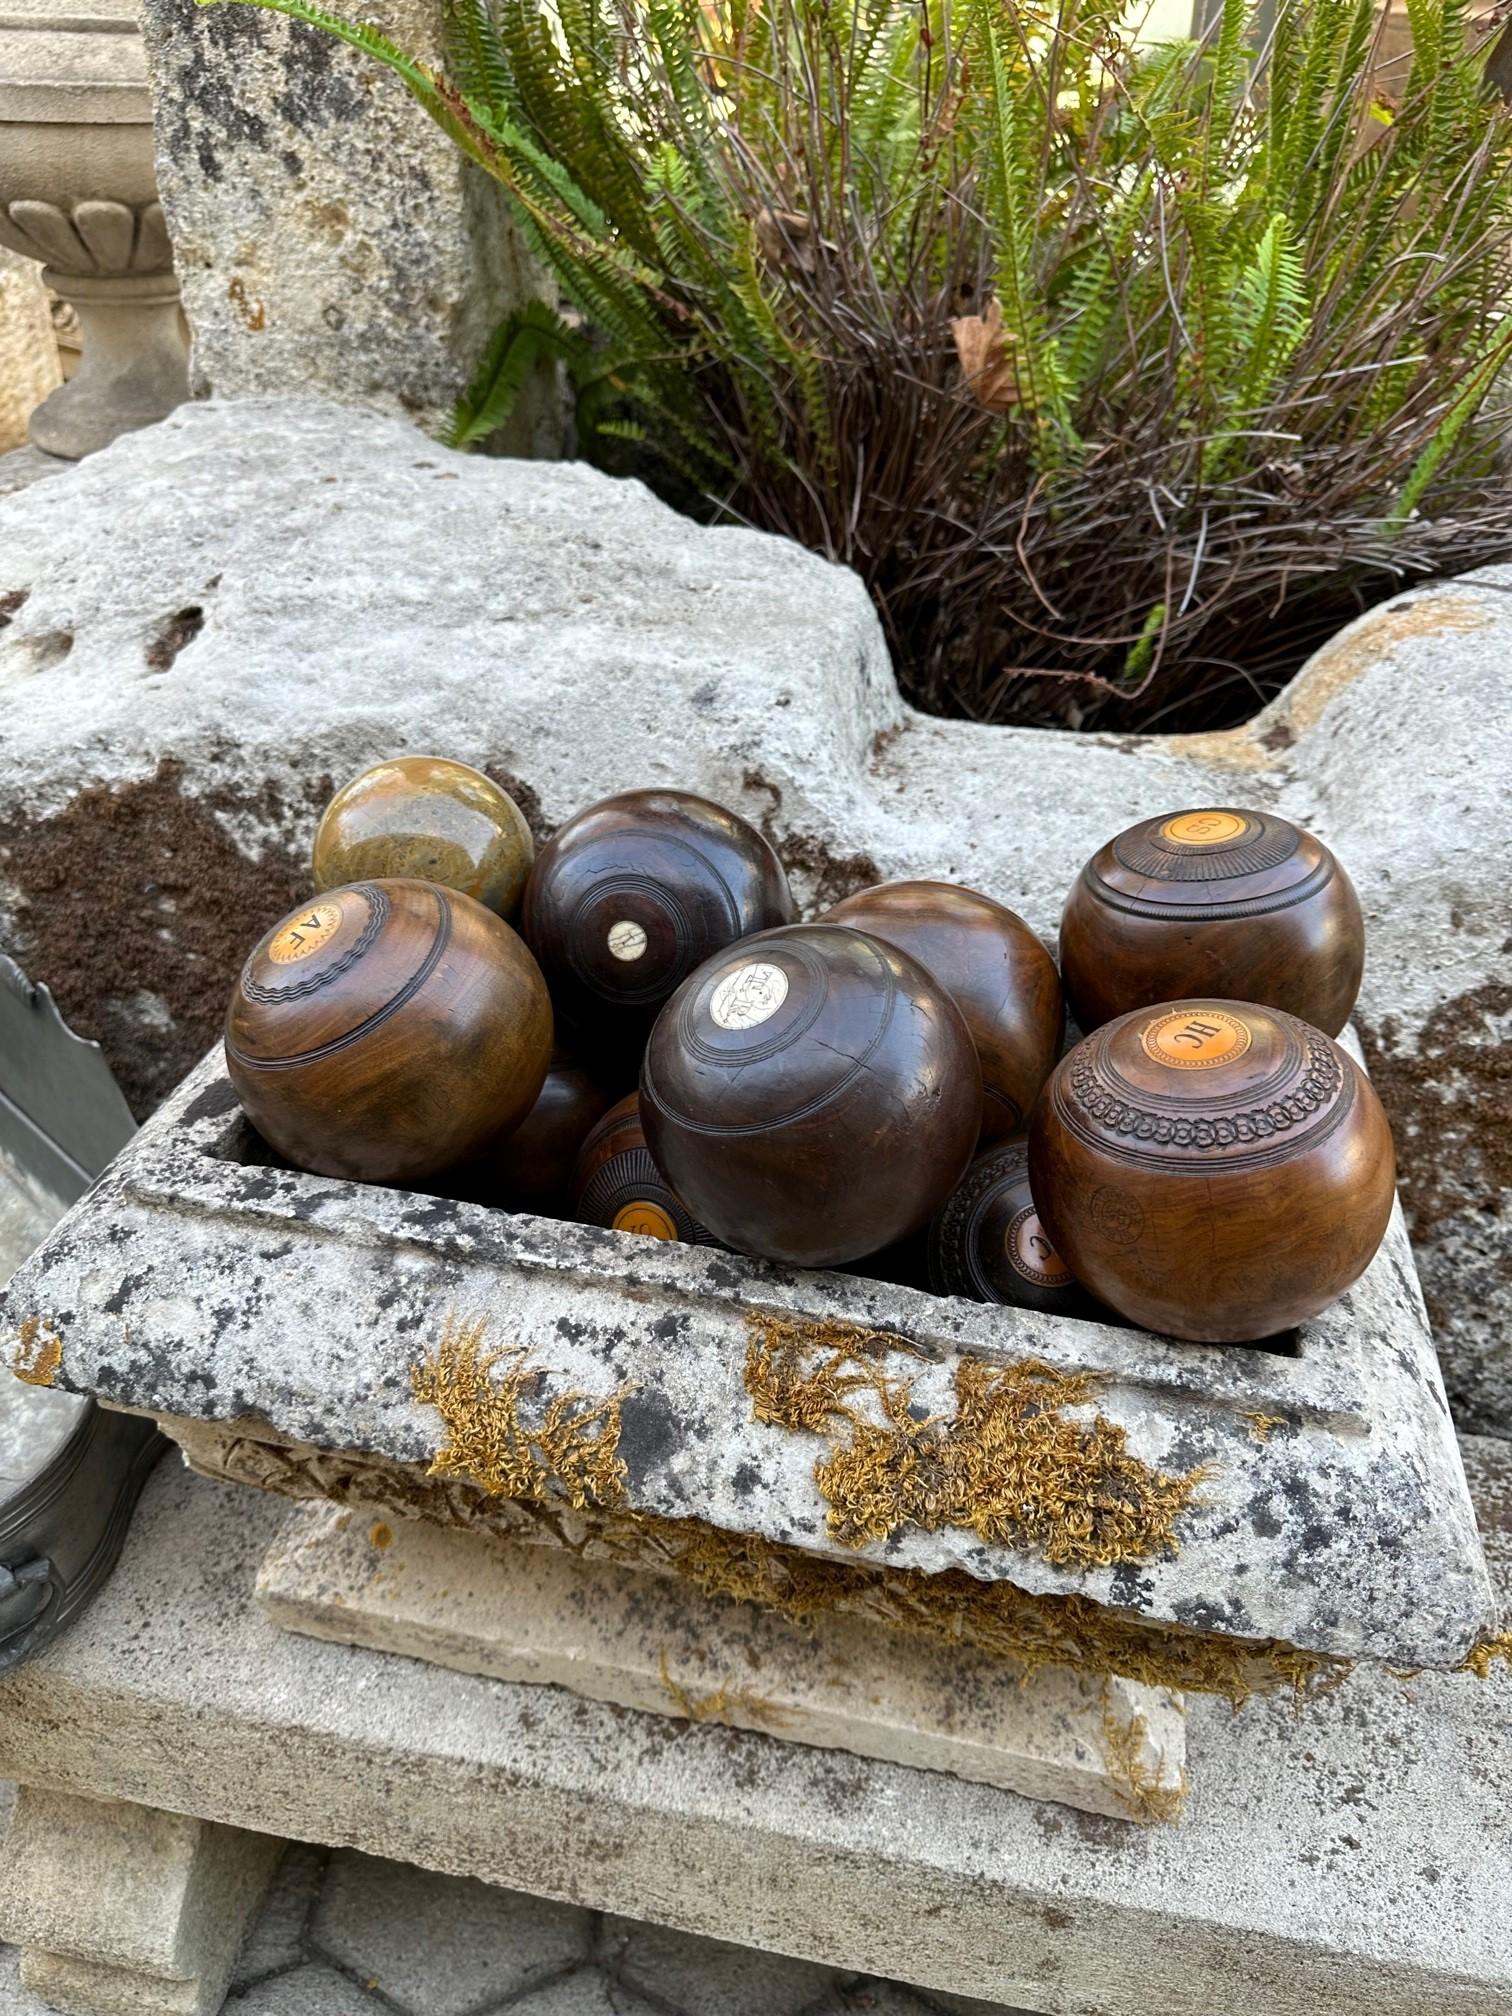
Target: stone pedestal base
x=134, y=367
x=122, y=1910
x=534, y=1613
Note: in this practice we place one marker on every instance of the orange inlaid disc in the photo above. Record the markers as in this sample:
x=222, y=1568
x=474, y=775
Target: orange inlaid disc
x=645, y=1217
x=305, y=933
x=1204, y=829
x=1195, y=1039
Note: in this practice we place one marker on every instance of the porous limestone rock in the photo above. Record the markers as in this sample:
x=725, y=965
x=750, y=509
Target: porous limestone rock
x=328, y=236
x=220, y=615
x=1351, y=1858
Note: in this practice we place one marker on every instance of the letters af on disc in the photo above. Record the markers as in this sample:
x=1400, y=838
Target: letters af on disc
x=749, y=996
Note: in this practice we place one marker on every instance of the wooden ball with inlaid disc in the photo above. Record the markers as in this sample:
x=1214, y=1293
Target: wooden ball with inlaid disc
x=988, y=1242
x=1217, y=901
x=630, y=896
x=1001, y=977
x=812, y=1093
x=1214, y=1170
x=385, y=1031
x=431, y=818
x=618, y=1185
x=531, y=1167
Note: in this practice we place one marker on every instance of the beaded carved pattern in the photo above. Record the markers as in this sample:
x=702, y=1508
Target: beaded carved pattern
x=1318, y=1085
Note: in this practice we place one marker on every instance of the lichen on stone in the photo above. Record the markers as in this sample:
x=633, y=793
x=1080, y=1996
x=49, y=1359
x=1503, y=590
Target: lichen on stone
x=1139, y=1788
x=954, y=1608
x=37, y=1354
x=571, y=1452
x=1013, y=1464
x=724, y=1705
x=1260, y=1424
x=951, y=1608
x=1485, y=1652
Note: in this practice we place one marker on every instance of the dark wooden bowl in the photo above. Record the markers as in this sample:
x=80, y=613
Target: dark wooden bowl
x=987, y=1243
x=531, y=1168
x=618, y=1185
x=426, y=817
x=385, y=1031
x=813, y=1094
x=1213, y=1170
x=1220, y=903
x=630, y=896
x=1003, y=981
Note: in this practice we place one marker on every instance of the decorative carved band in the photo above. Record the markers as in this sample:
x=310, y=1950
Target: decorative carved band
x=1319, y=1084
x=96, y=236
x=289, y=990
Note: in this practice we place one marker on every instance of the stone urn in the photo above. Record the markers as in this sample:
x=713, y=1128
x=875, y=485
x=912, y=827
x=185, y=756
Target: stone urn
x=78, y=192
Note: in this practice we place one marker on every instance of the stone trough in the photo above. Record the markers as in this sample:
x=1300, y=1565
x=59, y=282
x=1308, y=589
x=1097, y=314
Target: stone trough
x=276, y=1323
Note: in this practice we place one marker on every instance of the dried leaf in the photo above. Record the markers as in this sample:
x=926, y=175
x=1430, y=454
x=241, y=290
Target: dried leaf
x=982, y=346
x=786, y=238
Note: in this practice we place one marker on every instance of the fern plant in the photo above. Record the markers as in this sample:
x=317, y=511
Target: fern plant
x=1123, y=376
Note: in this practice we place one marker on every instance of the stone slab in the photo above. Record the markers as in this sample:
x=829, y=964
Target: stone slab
x=183, y=1286
x=1350, y=1854
x=121, y=1909
x=543, y=1616
x=81, y=1988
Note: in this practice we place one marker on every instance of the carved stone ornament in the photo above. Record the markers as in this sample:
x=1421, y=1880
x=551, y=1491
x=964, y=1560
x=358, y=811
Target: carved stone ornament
x=79, y=194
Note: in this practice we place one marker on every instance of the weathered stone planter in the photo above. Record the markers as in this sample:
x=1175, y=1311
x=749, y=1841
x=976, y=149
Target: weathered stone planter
x=273, y=1321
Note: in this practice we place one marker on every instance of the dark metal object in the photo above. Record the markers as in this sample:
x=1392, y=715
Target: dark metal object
x=62, y=1115
x=62, y=1118
x=61, y=1533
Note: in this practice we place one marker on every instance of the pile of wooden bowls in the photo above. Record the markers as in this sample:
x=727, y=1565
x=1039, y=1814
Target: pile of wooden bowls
x=630, y=1026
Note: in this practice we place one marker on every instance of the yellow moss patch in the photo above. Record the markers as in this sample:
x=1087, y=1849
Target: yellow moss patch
x=1260, y=1425
x=1012, y=1464
x=1484, y=1653
x=953, y=1608
x=735, y=1707
x=572, y=1452
x=380, y=1535
x=37, y=1355
x=1138, y=1786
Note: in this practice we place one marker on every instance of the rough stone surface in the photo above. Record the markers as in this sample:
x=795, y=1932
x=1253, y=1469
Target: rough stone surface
x=583, y=1995
x=277, y=1941
x=307, y=1991
x=1349, y=1854
x=576, y=636
x=327, y=235
x=543, y=1615
x=1346, y=1528
x=499, y=1944
x=710, y=1977
x=123, y=1907
x=25, y=466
